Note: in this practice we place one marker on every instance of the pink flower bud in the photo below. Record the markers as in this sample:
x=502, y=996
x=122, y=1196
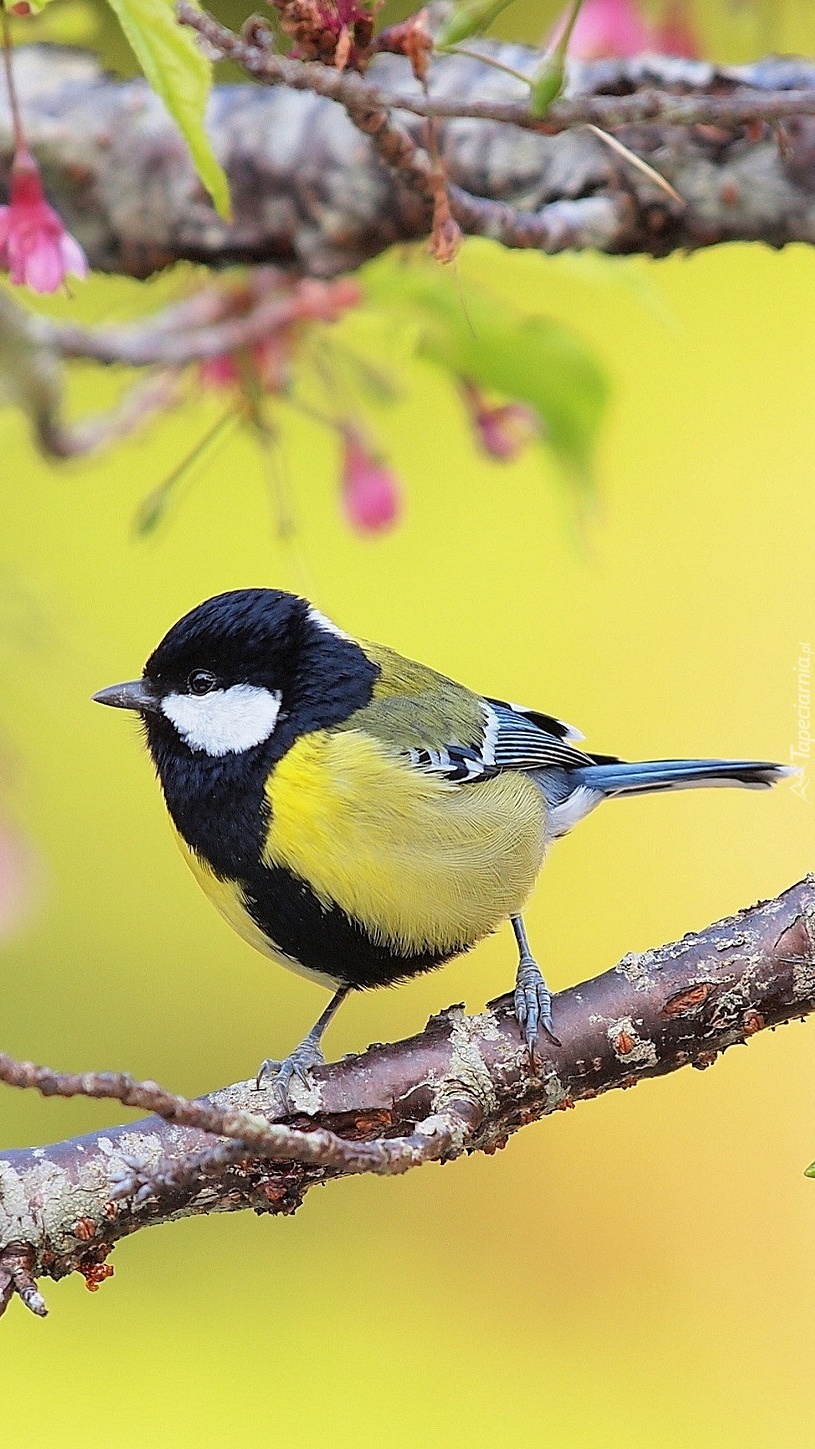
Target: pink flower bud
x=218, y=372
x=608, y=27
x=370, y=492
x=34, y=245
x=503, y=431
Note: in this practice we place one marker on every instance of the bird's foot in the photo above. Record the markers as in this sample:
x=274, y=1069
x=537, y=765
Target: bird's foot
x=533, y=1004
x=300, y=1064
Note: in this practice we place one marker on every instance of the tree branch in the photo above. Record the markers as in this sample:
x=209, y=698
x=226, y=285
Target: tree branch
x=311, y=195
x=462, y=1084
x=216, y=321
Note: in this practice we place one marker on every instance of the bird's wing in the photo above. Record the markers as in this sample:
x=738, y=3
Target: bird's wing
x=447, y=730
x=509, y=739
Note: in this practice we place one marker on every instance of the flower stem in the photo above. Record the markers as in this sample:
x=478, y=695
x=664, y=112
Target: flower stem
x=14, y=104
x=563, y=42
x=491, y=61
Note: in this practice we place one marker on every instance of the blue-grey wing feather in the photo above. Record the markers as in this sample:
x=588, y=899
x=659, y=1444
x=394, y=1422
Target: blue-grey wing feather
x=510, y=739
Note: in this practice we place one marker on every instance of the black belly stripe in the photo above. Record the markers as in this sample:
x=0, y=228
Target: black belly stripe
x=326, y=939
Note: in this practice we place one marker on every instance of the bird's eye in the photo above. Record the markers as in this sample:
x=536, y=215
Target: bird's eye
x=201, y=681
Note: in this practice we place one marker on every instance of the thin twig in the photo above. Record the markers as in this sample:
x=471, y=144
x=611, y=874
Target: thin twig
x=157, y=393
x=743, y=106
x=444, y=1134
x=17, y=1276
x=253, y=1134
x=554, y=229
x=144, y=344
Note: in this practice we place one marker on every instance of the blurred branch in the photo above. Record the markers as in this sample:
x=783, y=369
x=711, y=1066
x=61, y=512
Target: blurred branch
x=313, y=196
x=462, y=1084
x=215, y=322
x=30, y=376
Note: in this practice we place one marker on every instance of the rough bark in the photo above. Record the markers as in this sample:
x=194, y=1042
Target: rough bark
x=462, y=1084
x=312, y=193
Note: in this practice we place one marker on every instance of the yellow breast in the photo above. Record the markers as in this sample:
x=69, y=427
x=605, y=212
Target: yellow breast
x=421, y=862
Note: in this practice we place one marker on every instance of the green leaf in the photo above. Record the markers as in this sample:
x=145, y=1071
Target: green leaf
x=474, y=334
x=468, y=19
x=179, y=73
x=810, y=1172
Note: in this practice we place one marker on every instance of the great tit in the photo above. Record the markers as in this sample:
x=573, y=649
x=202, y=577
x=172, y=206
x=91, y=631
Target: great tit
x=355, y=815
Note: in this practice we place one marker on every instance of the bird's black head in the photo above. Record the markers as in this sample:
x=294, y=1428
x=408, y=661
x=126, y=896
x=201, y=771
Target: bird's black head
x=227, y=692
x=244, y=667
x=246, y=637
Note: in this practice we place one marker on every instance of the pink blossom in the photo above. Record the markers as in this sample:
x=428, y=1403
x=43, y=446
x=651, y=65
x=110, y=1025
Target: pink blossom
x=336, y=32
x=616, y=27
x=218, y=372
x=370, y=492
x=268, y=361
x=608, y=27
x=502, y=430
x=17, y=872
x=676, y=34
x=34, y=245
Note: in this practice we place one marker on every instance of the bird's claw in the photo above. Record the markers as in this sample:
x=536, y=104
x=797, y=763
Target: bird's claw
x=533, y=1005
x=300, y=1064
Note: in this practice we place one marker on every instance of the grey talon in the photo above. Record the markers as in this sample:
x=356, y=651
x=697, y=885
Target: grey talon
x=533, y=999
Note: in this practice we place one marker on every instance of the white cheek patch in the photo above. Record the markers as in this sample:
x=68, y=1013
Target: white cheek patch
x=225, y=721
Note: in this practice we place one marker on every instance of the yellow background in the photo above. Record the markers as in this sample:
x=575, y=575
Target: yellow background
x=637, y=1272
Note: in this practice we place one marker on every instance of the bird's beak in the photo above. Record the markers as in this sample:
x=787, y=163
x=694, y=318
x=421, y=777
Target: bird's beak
x=137, y=695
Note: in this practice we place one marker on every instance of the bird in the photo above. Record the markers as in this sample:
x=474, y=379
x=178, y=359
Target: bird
x=357, y=816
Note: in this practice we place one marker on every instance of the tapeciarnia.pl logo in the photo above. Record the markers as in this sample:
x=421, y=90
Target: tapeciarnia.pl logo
x=801, y=750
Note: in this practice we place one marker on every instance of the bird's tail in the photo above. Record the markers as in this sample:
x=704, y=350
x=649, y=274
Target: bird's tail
x=616, y=777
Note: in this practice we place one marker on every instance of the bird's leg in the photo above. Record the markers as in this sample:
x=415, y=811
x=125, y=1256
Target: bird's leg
x=305, y=1057
x=533, y=999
